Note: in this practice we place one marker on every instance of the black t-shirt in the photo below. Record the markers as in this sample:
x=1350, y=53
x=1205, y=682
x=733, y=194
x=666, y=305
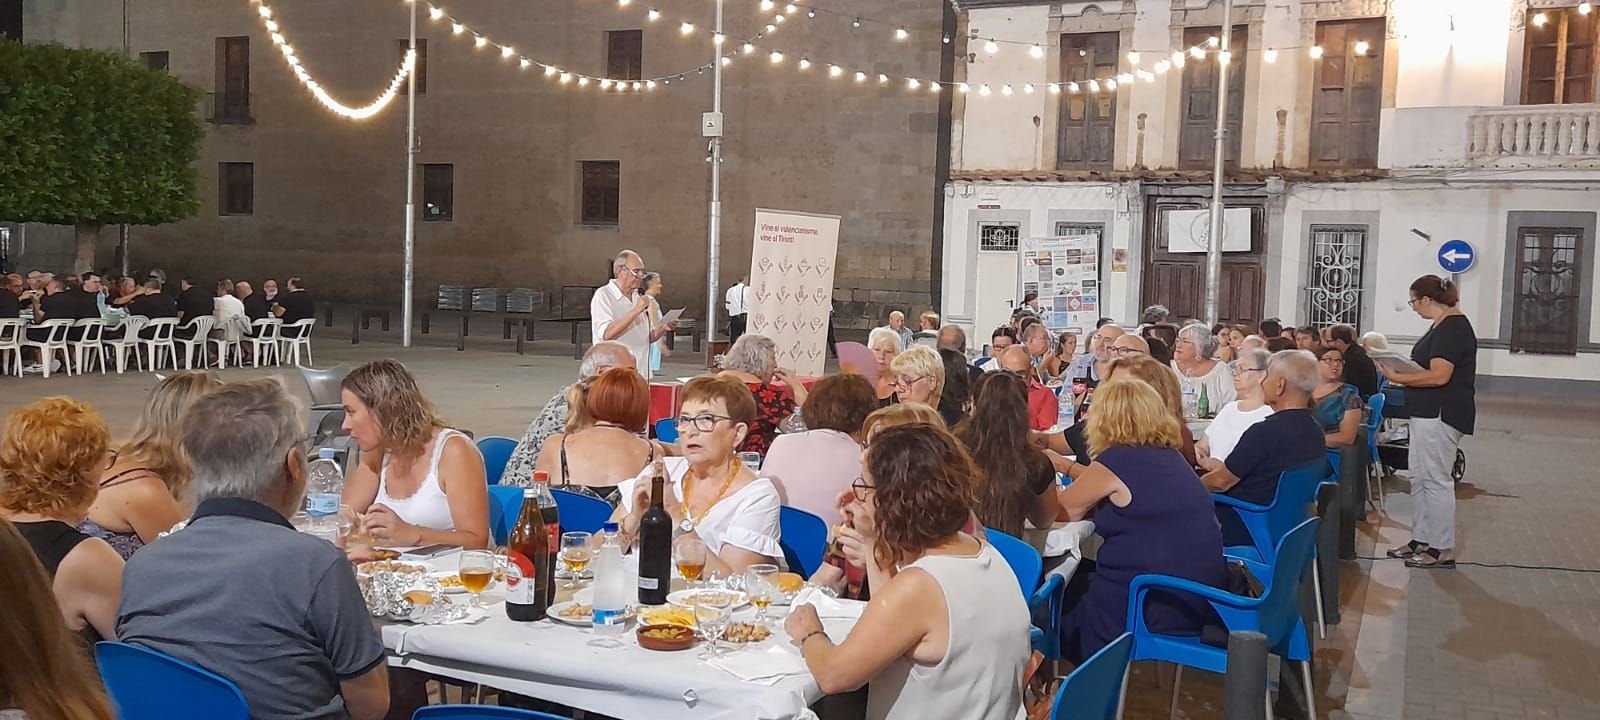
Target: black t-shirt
x=1455, y=402
x=60, y=306
x=1285, y=439
x=195, y=302
x=255, y=306
x=297, y=306
x=10, y=306
x=1360, y=371
x=154, y=305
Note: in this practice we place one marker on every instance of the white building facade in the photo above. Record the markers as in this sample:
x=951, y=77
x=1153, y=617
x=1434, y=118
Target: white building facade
x=1363, y=134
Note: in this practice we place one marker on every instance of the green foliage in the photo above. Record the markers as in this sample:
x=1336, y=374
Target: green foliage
x=89, y=137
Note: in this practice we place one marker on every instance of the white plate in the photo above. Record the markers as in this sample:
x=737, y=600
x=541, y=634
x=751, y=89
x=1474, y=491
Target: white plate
x=681, y=597
x=441, y=575
x=555, y=615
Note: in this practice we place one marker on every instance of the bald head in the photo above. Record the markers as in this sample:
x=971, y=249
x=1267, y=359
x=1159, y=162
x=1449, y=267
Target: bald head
x=1292, y=375
x=605, y=356
x=1015, y=359
x=1254, y=342
x=1128, y=345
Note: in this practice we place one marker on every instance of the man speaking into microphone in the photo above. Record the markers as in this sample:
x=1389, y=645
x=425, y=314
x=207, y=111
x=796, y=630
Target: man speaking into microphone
x=619, y=311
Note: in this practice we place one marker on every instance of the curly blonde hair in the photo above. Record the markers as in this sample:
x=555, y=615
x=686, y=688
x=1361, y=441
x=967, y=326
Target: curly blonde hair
x=51, y=455
x=156, y=439
x=407, y=418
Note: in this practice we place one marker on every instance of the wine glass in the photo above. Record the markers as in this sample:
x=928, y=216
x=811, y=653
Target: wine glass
x=761, y=583
x=476, y=571
x=712, y=609
x=690, y=555
x=575, y=554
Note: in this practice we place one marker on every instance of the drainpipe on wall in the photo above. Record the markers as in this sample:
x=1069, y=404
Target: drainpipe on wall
x=942, y=150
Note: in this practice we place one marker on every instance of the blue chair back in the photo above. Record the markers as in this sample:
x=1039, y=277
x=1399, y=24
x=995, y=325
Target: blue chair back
x=1375, y=418
x=1297, y=489
x=148, y=685
x=1023, y=559
x=667, y=430
x=581, y=512
x=505, y=503
x=1279, y=610
x=479, y=712
x=496, y=453
x=1094, y=689
x=804, y=539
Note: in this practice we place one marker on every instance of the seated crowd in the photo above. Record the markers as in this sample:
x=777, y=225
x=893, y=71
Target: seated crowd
x=912, y=468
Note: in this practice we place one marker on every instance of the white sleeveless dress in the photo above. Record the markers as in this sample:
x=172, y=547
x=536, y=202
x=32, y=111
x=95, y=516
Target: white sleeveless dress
x=427, y=507
x=981, y=672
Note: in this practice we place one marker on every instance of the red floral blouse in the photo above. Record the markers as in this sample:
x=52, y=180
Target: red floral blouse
x=773, y=404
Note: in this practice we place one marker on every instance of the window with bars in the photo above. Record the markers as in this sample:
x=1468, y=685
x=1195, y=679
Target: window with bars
x=236, y=192
x=1548, y=280
x=1333, y=288
x=998, y=236
x=1559, y=65
x=600, y=198
x=625, y=54
x=420, y=69
x=438, y=192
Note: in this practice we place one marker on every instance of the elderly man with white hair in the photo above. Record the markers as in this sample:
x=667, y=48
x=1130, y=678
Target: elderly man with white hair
x=897, y=323
x=619, y=310
x=604, y=356
x=1288, y=438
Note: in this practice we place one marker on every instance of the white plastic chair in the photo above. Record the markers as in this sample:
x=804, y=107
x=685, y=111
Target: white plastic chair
x=12, y=331
x=224, y=347
x=160, y=339
x=195, y=344
x=294, y=336
x=129, y=341
x=87, y=349
x=264, y=341
x=55, y=341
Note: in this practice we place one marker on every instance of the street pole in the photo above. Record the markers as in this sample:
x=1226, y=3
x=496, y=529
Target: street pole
x=715, y=223
x=1214, y=246
x=122, y=230
x=411, y=184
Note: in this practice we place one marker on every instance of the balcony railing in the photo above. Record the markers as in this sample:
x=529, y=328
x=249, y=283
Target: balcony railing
x=1535, y=136
x=230, y=109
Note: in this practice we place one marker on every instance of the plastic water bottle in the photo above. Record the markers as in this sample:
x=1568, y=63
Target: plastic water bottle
x=1065, y=412
x=1191, y=406
x=610, y=586
x=324, y=488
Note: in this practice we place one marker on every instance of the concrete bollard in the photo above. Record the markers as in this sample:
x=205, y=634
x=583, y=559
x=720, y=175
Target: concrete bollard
x=1244, y=694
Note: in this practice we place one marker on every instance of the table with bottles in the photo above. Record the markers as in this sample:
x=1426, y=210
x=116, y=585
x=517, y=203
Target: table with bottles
x=561, y=663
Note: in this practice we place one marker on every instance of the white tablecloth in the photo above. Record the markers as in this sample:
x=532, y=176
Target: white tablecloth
x=554, y=662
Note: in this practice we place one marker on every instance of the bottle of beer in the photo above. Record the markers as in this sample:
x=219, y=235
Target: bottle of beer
x=655, y=545
x=548, y=512
x=530, y=563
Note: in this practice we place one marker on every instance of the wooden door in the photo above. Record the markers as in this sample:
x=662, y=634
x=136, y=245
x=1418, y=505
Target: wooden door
x=1347, y=94
x=1178, y=280
x=1197, y=139
x=1088, y=128
x=233, y=77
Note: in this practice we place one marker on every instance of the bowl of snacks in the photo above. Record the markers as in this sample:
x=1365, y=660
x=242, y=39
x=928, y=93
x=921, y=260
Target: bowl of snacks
x=666, y=638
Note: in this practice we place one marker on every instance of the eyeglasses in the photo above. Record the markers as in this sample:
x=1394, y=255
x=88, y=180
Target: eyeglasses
x=1234, y=368
x=905, y=382
x=861, y=488
x=702, y=423
x=1413, y=301
x=639, y=272
x=1331, y=361
x=1126, y=351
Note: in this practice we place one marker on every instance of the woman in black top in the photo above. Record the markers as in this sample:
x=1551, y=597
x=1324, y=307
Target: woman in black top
x=1441, y=401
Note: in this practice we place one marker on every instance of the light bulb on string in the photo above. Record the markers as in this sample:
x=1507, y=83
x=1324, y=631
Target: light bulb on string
x=718, y=39
x=264, y=12
x=811, y=13
x=1111, y=84
x=605, y=83
x=436, y=13
x=1315, y=52
x=1055, y=89
x=457, y=28
x=650, y=85
x=1362, y=47
x=566, y=78
x=1037, y=51
x=272, y=25
x=1027, y=88
x=964, y=88
x=771, y=28
x=984, y=90
x=767, y=5
x=1163, y=66
x=1539, y=20
x=507, y=51
x=524, y=63
x=835, y=71
x=901, y=34
x=636, y=85
x=860, y=76
x=1270, y=56
x=726, y=61
x=1213, y=41
x=1125, y=78
x=776, y=57
x=947, y=39
x=1072, y=87
x=1584, y=8
x=1006, y=90
x=779, y=18
x=933, y=86
x=653, y=15
x=277, y=38
x=1224, y=57
x=582, y=81
x=551, y=70
x=1197, y=52
x=623, y=3
x=1094, y=86
x=686, y=28
x=855, y=24
x=913, y=83
x=1133, y=57
x=803, y=64
x=991, y=47
x=1179, y=59
x=480, y=41
x=789, y=9
x=883, y=79
x=747, y=48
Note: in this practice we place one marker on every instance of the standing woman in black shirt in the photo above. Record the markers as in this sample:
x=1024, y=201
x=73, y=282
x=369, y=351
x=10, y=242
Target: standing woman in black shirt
x=1441, y=398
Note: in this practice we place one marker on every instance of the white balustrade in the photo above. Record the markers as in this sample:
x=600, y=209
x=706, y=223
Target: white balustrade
x=1535, y=135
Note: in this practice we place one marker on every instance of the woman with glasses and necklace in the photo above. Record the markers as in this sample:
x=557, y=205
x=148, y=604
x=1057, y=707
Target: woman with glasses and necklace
x=1236, y=417
x=713, y=497
x=1336, y=404
x=1194, y=362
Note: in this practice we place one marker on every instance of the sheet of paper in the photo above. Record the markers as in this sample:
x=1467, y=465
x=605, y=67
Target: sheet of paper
x=1395, y=361
x=671, y=316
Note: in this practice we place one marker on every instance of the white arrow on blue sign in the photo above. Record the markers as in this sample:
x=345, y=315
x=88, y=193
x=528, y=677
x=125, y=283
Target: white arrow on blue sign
x=1456, y=256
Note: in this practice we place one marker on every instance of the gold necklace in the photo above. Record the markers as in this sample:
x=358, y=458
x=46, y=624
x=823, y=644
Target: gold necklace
x=687, y=525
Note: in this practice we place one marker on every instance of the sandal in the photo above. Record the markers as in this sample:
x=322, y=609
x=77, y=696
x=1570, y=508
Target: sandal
x=1433, y=559
x=1407, y=551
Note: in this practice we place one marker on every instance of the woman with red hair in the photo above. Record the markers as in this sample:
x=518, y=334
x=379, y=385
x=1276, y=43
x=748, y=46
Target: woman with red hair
x=602, y=445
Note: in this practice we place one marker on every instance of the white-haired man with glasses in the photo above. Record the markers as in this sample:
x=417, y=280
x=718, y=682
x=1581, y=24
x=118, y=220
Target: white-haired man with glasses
x=619, y=310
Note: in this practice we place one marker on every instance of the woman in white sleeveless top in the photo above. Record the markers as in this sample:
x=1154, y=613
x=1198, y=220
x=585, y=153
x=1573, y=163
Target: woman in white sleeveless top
x=947, y=626
x=419, y=483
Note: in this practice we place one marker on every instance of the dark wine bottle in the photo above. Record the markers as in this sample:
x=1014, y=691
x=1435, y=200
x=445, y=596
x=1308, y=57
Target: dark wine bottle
x=655, y=546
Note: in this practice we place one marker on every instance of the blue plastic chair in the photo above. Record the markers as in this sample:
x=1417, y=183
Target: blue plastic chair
x=1374, y=465
x=149, y=685
x=496, y=453
x=1043, y=599
x=505, y=503
x=667, y=430
x=1094, y=689
x=804, y=539
x=479, y=712
x=1297, y=488
x=1275, y=614
x=581, y=512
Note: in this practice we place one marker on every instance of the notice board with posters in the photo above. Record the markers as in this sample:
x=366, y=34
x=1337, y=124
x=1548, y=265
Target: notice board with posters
x=1065, y=272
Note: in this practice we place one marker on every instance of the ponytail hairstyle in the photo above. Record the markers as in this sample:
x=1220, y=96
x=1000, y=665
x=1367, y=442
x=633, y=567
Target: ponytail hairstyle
x=1437, y=289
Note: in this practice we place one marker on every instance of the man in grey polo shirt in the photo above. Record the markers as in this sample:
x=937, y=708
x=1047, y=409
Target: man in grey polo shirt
x=238, y=591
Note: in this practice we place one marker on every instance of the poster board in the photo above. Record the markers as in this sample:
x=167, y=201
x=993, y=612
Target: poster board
x=1189, y=231
x=1065, y=272
x=791, y=285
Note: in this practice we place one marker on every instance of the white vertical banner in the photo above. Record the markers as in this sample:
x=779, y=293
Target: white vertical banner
x=791, y=285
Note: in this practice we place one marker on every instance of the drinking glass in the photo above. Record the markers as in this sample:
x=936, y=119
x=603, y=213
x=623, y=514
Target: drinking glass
x=751, y=460
x=354, y=532
x=476, y=571
x=761, y=583
x=575, y=554
x=690, y=555
x=712, y=609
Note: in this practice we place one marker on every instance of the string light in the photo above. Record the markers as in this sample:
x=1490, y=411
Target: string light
x=790, y=8
x=835, y=71
x=984, y=89
x=1054, y=89
x=1270, y=56
x=1362, y=47
x=654, y=15
x=480, y=41
x=767, y=5
x=901, y=34
x=1316, y=52
x=1163, y=66
x=686, y=28
x=913, y=83
x=1197, y=52
x=860, y=76
x=1027, y=88
x=747, y=48
x=856, y=23
x=1036, y=51
x=991, y=47
x=804, y=63
x=328, y=101
x=883, y=79
x=1110, y=84
x=436, y=13
x=776, y=57
x=1584, y=8
x=1539, y=20
x=1179, y=60
x=1213, y=41
x=1133, y=57
x=507, y=51
x=964, y=88
x=1224, y=57
x=1006, y=90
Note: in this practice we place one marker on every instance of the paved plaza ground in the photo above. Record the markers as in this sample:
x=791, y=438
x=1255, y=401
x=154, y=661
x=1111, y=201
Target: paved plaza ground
x=1513, y=633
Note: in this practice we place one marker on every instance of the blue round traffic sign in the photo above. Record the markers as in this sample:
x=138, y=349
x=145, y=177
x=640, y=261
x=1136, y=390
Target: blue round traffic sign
x=1456, y=256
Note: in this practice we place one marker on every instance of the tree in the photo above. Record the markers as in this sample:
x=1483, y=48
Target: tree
x=90, y=138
